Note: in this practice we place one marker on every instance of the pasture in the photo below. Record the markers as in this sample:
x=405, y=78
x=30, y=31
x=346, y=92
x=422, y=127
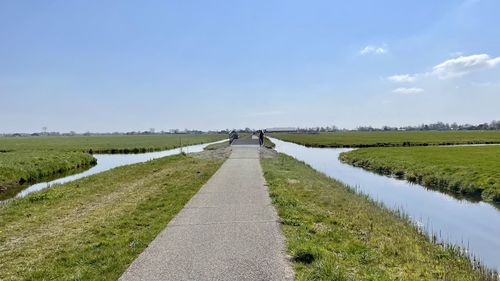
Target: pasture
x=31, y=159
x=106, y=143
x=389, y=138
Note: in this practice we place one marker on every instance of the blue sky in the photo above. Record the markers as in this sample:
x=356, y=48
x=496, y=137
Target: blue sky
x=135, y=65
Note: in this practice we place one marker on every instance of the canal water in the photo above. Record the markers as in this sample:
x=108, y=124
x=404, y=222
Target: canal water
x=475, y=226
x=109, y=161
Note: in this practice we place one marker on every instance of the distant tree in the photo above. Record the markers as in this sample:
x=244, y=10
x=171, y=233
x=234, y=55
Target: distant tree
x=495, y=125
x=366, y=128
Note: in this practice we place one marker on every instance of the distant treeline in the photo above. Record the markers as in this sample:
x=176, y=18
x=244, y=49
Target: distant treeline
x=150, y=132
x=438, y=126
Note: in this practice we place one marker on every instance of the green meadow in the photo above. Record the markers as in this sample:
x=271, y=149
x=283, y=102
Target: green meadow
x=31, y=159
x=106, y=143
x=390, y=138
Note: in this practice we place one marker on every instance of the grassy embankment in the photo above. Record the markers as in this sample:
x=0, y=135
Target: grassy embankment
x=268, y=143
x=31, y=159
x=471, y=170
x=93, y=228
x=392, y=138
x=333, y=233
x=27, y=166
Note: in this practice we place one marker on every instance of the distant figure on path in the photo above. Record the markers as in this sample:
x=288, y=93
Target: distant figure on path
x=232, y=136
x=261, y=138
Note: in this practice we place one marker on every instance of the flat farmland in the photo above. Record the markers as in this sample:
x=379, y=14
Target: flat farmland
x=106, y=143
x=31, y=159
x=390, y=138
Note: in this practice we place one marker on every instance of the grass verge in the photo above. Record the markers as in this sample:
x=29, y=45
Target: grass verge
x=470, y=171
x=268, y=143
x=333, y=233
x=93, y=228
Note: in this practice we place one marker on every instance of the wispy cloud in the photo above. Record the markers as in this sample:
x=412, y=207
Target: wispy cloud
x=408, y=91
x=452, y=68
x=463, y=65
x=372, y=50
x=403, y=78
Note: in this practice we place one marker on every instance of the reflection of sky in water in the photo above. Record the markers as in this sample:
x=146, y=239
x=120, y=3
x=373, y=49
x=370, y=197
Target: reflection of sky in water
x=110, y=161
x=473, y=224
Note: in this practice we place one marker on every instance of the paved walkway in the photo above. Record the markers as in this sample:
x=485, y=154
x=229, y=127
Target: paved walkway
x=227, y=231
x=251, y=141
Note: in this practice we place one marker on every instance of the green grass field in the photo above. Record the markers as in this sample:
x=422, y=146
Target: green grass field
x=31, y=159
x=469, y=170
x=333, y=233
x=106, y=144
x=94, y=227
x=392, y=138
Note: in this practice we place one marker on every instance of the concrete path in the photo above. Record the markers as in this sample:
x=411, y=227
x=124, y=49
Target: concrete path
x=228, y=231
x=252, y=141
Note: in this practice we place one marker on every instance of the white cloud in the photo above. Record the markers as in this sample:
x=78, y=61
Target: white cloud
x=408, y=91
x=402, y=78
x=463, y=65
x=452, y=68
x=372, y=50
x=494, y=62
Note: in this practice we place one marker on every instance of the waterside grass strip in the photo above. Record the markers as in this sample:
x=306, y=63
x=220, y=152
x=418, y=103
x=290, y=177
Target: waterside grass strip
x=334, y=233
x=472, y=171
x=28, y=166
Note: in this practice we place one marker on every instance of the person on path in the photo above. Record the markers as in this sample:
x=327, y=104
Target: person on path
x=261, y=138
x=232, y=136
